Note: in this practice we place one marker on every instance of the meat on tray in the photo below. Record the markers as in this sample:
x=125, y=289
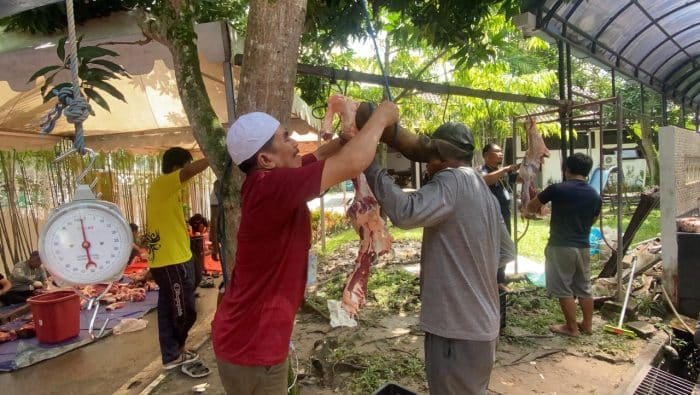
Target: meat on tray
x=7, y=336
x=363, y=212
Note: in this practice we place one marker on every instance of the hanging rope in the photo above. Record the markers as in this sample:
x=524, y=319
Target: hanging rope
x=70, y=101
x=370, y=30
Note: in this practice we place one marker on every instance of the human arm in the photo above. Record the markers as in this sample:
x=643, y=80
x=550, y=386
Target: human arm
x=193, y=168
x=358, y=153
x=541, y=199
x=493, y=177
x=330, y=148
x=427, y=206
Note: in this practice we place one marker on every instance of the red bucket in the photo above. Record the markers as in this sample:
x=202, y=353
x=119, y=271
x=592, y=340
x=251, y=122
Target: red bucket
x=56, y=316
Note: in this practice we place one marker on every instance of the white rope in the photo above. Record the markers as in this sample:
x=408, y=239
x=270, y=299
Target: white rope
x=70, y=101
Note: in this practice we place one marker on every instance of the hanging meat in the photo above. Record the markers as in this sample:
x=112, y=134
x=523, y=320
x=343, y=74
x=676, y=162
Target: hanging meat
x=532, y=164
x=363, y=212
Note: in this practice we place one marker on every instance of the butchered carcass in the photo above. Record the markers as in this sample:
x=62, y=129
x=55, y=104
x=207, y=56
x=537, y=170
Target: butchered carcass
x=363, y=212
x=532, y=164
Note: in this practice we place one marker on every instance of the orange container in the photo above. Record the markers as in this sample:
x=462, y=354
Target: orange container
x=56, y=316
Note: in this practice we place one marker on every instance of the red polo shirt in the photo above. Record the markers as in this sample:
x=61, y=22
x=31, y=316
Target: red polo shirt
x=254, y=321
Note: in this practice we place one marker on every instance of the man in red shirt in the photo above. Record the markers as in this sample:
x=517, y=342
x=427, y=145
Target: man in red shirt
x=254, y=321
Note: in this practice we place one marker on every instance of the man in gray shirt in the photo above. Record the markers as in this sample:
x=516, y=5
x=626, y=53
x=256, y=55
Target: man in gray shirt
x=464, y=237
x=26, y=277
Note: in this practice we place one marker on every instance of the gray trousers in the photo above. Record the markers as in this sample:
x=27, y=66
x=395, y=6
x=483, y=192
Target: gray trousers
x=458, y=367
x=253, y=380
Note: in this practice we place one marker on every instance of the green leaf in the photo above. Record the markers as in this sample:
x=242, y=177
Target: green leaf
x=43, y=71
x=109, y=89
x=61, y=49
x=60, y=86
x=97, y=74
x=88, y=53
x=110, y=66
x=48, y=82
x=94, y=96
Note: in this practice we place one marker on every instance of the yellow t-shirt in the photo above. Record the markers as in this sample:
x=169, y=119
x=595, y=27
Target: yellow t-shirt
x=166, y=239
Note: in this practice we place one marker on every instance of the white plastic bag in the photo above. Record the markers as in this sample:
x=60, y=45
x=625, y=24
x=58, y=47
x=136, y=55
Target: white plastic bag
x=129, y=325
x=339, y=317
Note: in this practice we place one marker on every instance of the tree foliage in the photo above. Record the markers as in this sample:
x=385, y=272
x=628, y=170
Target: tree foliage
x=94, y=70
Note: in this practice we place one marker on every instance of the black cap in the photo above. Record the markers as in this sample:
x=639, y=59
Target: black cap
x=457, y=134
x=460, y=139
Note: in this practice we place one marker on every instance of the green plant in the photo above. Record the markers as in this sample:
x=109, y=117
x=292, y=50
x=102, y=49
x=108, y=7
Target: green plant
x=93, y=70
x=334, y=223
x=394, y=289
x=380, y=367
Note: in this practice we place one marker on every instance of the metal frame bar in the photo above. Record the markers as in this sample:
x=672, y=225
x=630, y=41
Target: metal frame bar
x=609, y=22
x=677, y=68
x=689, y=86
x=644, y=29
x=592, y=50
x=551, y=12
x=685, y=29
x=678, y=81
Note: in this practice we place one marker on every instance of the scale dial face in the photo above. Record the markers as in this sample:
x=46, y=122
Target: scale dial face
x=85, y=242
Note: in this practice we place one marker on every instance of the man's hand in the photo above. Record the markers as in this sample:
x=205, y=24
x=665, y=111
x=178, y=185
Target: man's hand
x=388, y=111
x=514, y=167
x=38, y=285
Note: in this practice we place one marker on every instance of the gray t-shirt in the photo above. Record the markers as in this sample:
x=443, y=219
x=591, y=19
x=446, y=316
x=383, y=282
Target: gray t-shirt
x=464, y=242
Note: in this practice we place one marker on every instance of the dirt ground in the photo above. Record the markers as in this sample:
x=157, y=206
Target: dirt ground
x=357, y=360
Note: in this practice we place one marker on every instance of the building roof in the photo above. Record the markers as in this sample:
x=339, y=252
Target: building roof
x=656, y=42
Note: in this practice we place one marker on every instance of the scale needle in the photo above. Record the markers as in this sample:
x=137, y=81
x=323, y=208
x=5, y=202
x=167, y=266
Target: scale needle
x=86, y=246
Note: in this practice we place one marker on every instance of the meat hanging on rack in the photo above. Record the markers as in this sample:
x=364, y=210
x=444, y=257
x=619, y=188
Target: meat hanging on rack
x=363, y=212
x=532, y=164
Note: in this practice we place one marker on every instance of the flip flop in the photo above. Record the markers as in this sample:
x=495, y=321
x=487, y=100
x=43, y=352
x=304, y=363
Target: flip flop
x=195, y=369
x=185, y=357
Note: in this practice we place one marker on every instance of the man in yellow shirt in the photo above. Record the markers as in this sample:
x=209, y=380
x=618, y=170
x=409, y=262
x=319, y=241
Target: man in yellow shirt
x=170, y=260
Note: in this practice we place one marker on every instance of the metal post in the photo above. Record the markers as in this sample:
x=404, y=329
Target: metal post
x=620, y=180
x=570, y=98
x=562, y=95
x=664, y=109
x=321, y=207
x=514, y=143
x=228, y=75
x=697, y=119
x=681, y=121
x=612, y=83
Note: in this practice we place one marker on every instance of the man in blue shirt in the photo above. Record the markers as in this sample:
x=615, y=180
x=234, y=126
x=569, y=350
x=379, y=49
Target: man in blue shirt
x=575, y=206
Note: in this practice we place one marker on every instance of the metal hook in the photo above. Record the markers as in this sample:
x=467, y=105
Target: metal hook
x=94, y=302
x=88, y=168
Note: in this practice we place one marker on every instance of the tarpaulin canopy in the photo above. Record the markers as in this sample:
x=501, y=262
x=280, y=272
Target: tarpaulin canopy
x=655, y=42
x=152, y=118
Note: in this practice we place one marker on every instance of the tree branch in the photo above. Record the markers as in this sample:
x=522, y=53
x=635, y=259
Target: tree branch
x=139, y=42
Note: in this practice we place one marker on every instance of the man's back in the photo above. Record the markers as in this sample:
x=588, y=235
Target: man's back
x=575, y=205
x=462, y=234
x=459, y=261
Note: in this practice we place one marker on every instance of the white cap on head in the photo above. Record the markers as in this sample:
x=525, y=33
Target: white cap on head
x=248, y=134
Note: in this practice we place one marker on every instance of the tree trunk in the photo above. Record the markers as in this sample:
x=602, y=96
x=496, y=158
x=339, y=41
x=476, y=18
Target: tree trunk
x=175, y=30
x=270, y=57
x=651, y=155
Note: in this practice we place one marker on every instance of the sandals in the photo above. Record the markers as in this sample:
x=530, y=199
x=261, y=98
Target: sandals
x=195, y=369
x=184, y=358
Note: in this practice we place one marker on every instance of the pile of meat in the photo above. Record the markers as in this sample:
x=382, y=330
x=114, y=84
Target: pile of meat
x=363, y=212
x=119, y=293
x=532, y=164
x=25, y=331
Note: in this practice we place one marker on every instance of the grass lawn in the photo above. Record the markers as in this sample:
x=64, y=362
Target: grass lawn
x=531, y=244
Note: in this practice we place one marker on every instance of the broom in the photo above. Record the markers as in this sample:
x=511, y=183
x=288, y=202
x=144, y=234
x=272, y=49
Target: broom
x=619, y=330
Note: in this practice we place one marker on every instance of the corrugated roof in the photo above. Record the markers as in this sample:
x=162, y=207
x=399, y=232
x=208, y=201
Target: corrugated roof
x=656, y=42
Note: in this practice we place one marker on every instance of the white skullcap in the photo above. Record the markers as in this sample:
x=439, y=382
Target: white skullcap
x=248, y=134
